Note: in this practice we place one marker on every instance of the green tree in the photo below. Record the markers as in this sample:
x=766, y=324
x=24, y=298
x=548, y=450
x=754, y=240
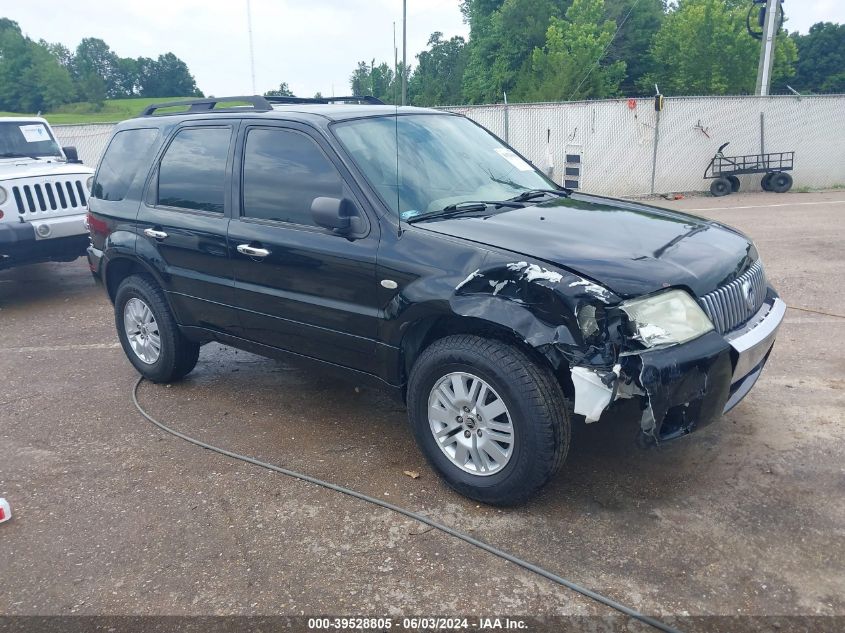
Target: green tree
x=92, y=89
x=702, y=47
x=378, y=81
x=167, y=76
x=573, y=64
x=634, y=37
x=31, y=77
x=821, y=59
x=503, y=36
x=282, y=91
x=94, y=57
x=438, y=77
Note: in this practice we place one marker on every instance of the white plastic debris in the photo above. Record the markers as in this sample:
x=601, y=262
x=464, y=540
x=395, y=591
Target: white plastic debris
x=5, y=510
x=591, y=395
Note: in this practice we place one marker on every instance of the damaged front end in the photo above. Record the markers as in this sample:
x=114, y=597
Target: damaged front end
x=660, y=350
x=684, y=373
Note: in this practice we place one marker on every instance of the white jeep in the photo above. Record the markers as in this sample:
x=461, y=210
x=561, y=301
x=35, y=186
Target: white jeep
x=43, y=195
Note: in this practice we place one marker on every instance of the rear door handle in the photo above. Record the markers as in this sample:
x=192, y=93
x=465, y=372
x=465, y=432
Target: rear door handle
x=252, y=251
x=156, y=235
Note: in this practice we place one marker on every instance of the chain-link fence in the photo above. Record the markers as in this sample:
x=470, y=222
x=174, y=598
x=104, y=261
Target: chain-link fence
x=625, y=148
x=89, y=139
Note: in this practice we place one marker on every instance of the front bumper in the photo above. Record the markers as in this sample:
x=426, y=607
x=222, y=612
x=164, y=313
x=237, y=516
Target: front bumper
x=688, y=386
x=50, y=239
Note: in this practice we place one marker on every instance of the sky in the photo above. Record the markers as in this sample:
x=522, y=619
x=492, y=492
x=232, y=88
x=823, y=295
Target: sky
x=313, y=45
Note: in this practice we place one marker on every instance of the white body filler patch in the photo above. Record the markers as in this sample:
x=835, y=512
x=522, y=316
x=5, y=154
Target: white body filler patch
x=471, y=276
x=594, y=289
x=533, y=272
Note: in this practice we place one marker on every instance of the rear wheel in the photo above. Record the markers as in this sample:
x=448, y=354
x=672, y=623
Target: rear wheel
x=766, y=182
x=148, y=332
x=780, y=182
x=720, y=187
x=492, y=422
x=734, y=183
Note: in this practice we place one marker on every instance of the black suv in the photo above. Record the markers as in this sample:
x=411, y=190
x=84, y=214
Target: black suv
x=415, y=250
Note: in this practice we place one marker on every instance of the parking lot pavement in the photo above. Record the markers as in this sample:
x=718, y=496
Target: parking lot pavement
x=112, y=516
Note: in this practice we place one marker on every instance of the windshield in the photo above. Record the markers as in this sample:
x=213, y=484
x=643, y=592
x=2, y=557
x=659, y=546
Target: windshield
x=443, y=160
x=19, y=139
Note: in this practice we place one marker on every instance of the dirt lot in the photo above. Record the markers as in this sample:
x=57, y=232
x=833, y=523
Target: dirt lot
x=745, y=517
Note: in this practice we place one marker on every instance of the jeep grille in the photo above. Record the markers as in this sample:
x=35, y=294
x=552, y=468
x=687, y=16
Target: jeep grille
x=734, y=303
x=49, y=196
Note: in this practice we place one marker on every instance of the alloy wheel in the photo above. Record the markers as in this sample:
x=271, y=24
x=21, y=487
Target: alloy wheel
x=471, y=423
x=141, y=329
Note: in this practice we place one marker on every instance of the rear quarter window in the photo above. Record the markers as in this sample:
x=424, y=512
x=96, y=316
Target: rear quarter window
x=127, y=152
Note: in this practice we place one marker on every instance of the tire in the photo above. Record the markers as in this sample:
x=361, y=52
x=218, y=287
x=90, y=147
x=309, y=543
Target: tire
x=534, y=406
x=766, y=182
x=176, y=356
x=720, y=187
x=734, y=183
x=780, y=182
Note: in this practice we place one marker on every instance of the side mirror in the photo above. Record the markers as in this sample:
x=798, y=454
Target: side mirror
x=336, y=214
x=71, y=154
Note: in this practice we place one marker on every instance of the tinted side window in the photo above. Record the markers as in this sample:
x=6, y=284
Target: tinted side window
x=283, y=172
x=193, y=170
x=125, y=155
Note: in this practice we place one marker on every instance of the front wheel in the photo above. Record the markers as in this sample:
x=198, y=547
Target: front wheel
x=492, y=422
x=720, y=187
x=148, y=332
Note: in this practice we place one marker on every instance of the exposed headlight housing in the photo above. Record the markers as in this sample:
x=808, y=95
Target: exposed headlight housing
x=90, y=182
x=668, y=318
x=3, y=195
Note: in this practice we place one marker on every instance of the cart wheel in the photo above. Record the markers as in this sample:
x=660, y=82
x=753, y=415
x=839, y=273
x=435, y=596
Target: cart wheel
x=766, y=182
x=734, y=183
x=720, y=187
x=780, y=182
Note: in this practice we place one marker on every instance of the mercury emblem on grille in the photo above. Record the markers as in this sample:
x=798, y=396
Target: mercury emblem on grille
x=748, y=293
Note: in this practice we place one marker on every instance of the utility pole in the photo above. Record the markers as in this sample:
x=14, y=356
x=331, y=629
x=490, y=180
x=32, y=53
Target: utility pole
x=767, y=48
x=251, y=48
x=404, y=52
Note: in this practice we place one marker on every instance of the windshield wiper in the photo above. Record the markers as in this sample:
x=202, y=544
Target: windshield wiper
x=536, y=193
x=17, y=155
x=467, y=206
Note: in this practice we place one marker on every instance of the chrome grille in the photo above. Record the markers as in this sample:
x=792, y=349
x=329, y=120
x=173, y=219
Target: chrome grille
x=734, y=303
x=49, y=196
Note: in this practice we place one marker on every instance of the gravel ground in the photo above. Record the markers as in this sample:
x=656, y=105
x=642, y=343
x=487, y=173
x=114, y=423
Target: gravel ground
x=111, y=516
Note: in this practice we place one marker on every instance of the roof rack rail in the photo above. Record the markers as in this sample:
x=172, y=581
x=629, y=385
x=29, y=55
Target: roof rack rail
x=368, y=100
x=259, y=104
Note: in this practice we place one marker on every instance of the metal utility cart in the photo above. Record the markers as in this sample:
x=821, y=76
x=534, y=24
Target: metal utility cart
x=725, y=169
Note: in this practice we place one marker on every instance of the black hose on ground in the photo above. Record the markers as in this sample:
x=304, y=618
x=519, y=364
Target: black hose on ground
x=411, y=515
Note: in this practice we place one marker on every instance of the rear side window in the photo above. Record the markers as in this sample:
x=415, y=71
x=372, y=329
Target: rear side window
x=125, y=155
x=192, y=173
x=283, y=172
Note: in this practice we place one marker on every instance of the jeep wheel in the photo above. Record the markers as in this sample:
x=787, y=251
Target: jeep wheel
x=493, y=423
x=148, y=332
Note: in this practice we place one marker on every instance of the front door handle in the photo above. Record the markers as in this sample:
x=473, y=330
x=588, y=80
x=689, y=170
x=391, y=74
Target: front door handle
x=252, y=251
x=156, y=235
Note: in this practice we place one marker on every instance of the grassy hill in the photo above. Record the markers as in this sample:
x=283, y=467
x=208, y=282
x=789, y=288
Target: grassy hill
x=113, y=110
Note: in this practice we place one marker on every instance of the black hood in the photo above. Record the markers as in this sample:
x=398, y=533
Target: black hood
x=630, y=248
